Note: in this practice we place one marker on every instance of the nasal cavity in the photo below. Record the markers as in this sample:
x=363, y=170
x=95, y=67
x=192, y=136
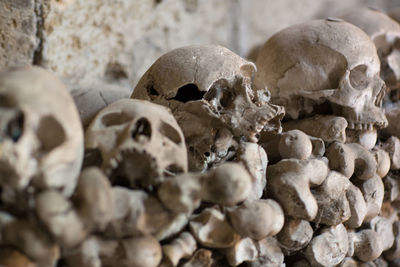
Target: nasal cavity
x=188, y=92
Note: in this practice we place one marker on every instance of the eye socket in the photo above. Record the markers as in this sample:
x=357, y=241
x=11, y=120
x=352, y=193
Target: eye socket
x=220, y=91
x=50, y=133
x=358, y=77
x=15, y=127
x=169, y=132
x=142, y=128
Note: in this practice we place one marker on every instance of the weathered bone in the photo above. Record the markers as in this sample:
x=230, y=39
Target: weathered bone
x=295, y=144
x=327, y=64
x=358, y=206
x=328, y=128
x=365, y=245
x=269, y=253
x=392, y=146
x=328, y=248
x=180, y=248
x=295, y=235
x=333, y=206
x=228, y=184
x=209, y=87
x=383, y=161
x=373, y=192
x=140, y=143
x=201, y=257
x=257, y=219
x=93, y=199
x=60, y=218
x=243, y=250
x=385, y=32
x=43, y=145
x=350, y=159
x=212, y=230
x=255, y=160
x=384, y=228
x=289, y=182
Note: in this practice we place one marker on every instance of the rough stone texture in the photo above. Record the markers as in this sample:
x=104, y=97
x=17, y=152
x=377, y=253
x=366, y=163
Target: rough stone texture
x=18, y=39
x=119, y=40
x=116, y=41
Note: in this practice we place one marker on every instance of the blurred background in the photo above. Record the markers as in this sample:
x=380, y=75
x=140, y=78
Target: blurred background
x=113, y=42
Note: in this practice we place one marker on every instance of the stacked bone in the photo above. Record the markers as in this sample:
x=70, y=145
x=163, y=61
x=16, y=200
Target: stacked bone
x=203, y=168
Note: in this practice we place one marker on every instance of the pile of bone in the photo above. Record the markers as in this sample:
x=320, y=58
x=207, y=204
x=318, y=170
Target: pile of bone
x=214, y=161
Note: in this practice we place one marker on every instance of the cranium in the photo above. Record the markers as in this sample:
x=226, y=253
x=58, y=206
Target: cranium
x=139, y=142
x=325, y=66
x=41, y=137
x=209, y=89
x=385, y=32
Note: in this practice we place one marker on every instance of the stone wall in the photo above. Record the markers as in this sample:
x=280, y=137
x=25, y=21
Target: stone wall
x=114, y=41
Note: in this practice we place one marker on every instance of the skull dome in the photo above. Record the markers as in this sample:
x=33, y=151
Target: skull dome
x=326, y=66
x=41, y=137
x=209, y=90
x=140, y=142
x=385, y=32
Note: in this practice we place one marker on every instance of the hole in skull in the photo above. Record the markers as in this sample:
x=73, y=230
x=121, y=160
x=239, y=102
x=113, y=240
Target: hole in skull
x=169, y=132
x=220, y=95
x=142, y=128
x=152, y=91
x=358, y=77
x=172, y=170
x=188, y=92
x=15, y=126
x=50, y=133
x=113, y=119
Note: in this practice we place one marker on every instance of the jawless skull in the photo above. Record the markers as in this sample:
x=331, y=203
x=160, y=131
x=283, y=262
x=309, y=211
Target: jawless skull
x=385, y=32
x=140, y=143
x=325, y=66
x=41, y=137
x=209, y=90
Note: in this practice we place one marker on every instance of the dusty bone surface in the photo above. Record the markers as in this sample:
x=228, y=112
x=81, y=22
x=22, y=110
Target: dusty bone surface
x=329, y=128
x=257, y=219
x=328, y=248
x=43, y=136
x=129, y=132
x=289, y=183
x=385, y=32
x=153, y=217
x=288, y=62
x=209, y=87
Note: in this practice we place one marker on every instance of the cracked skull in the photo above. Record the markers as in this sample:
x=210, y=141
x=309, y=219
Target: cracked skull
x=325, y=66
x=139, y=142
x=385, y=32
x=209, y=90
x=41, y=137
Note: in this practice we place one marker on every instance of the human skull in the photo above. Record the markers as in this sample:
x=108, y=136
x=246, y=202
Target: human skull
x=139, y=142
x=209, y=90
x=325, y=62
x=41, y=137
x=385, y=32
